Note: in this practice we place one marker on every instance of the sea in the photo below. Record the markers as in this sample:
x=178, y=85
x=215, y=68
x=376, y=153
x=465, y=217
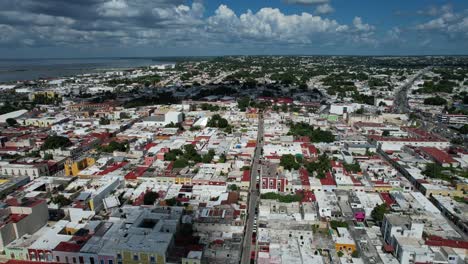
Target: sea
x=12, y=70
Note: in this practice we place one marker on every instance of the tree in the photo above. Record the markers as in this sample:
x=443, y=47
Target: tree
x=335, y=224
x=281, y=198
x=150, y=197
x=180, y=163
x=379, y=211
x=355, y=254
x=104, y=121
x=353, y=167
x=124, y=115
x=207, y=158
x=170, y=156
x=463, y=130
x=195, y=128
x=48, y=156
x=315, y=135
x=190, y=153
x=288, y=161
x=217, y=121
x=233, y=187
x=243, y=103
x=435, y=101
x=172, y=202
x=55, y=142
x=60, y=200
x=223, y=123
x=11, y=122
x=386, y=133
x=114, y=146
x=222, y=158
x=320, y=166
x=360, y=111
x=340, y=254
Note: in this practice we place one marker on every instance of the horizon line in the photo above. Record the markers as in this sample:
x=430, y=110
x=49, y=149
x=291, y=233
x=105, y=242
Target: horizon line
x=239, y=55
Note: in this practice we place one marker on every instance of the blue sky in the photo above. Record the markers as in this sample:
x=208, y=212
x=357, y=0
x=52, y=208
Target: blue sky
x=91, y=28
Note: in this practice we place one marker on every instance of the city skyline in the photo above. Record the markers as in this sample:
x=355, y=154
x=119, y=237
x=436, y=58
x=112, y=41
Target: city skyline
x=119, y=28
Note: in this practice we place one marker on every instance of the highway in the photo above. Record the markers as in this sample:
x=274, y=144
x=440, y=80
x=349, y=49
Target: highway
x=253, y=195
x=401, y=105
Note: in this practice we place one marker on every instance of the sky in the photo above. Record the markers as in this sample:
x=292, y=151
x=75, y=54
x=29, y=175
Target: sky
x=141, y=28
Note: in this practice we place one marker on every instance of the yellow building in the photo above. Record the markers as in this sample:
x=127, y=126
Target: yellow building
x=73, y=168
x=430, y=190
x=183, y=180
x=135, y=257
x=343, y=241
x=46, y=94
x=462, y=186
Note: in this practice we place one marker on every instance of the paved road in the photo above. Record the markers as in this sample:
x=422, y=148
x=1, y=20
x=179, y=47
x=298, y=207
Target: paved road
x=401, y=98
x=253, y=197
x=432, y=125
x=449, y=221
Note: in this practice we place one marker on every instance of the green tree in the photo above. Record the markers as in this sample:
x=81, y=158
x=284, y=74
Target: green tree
x=114, y=146
x=207, y=158
x=170, y=156
x=335, y=224
x=60, y=200
x=243, y=103
x=463, y=130
x=104, y=121
x=172, y=202
x=435, y=101
x=353, y=167
x=11, y=122
x=150, y=197
x=180, y=163
x=355, y=254
x=124, y=115
x=55, y=142
x=379, y=211
x=315, y=135
x=48, y=156
x=222, y=158
x=289, y=162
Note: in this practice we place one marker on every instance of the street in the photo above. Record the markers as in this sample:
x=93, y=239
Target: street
x=401, y=97
x=253, y=195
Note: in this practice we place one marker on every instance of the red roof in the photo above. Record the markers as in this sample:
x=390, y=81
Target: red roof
x=388, y=248
x=246, y=176
x=308, y=196
x=387, y=198
x=328, y=180
x=112, y=168
x=67, y=247
x=150, y=145
x=356, y=182
x=412, y=139
x=438, y=155
x=304, y=176
x=251, y=145
x=13, y=261
x=442, y=242
x=134, y=174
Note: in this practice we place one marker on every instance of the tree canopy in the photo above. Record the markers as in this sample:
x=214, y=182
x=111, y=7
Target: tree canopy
x=150, y=197
x=289, y=162
x=315, y=135
x=379, y=211
x=435, y=101
x=55, y=142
